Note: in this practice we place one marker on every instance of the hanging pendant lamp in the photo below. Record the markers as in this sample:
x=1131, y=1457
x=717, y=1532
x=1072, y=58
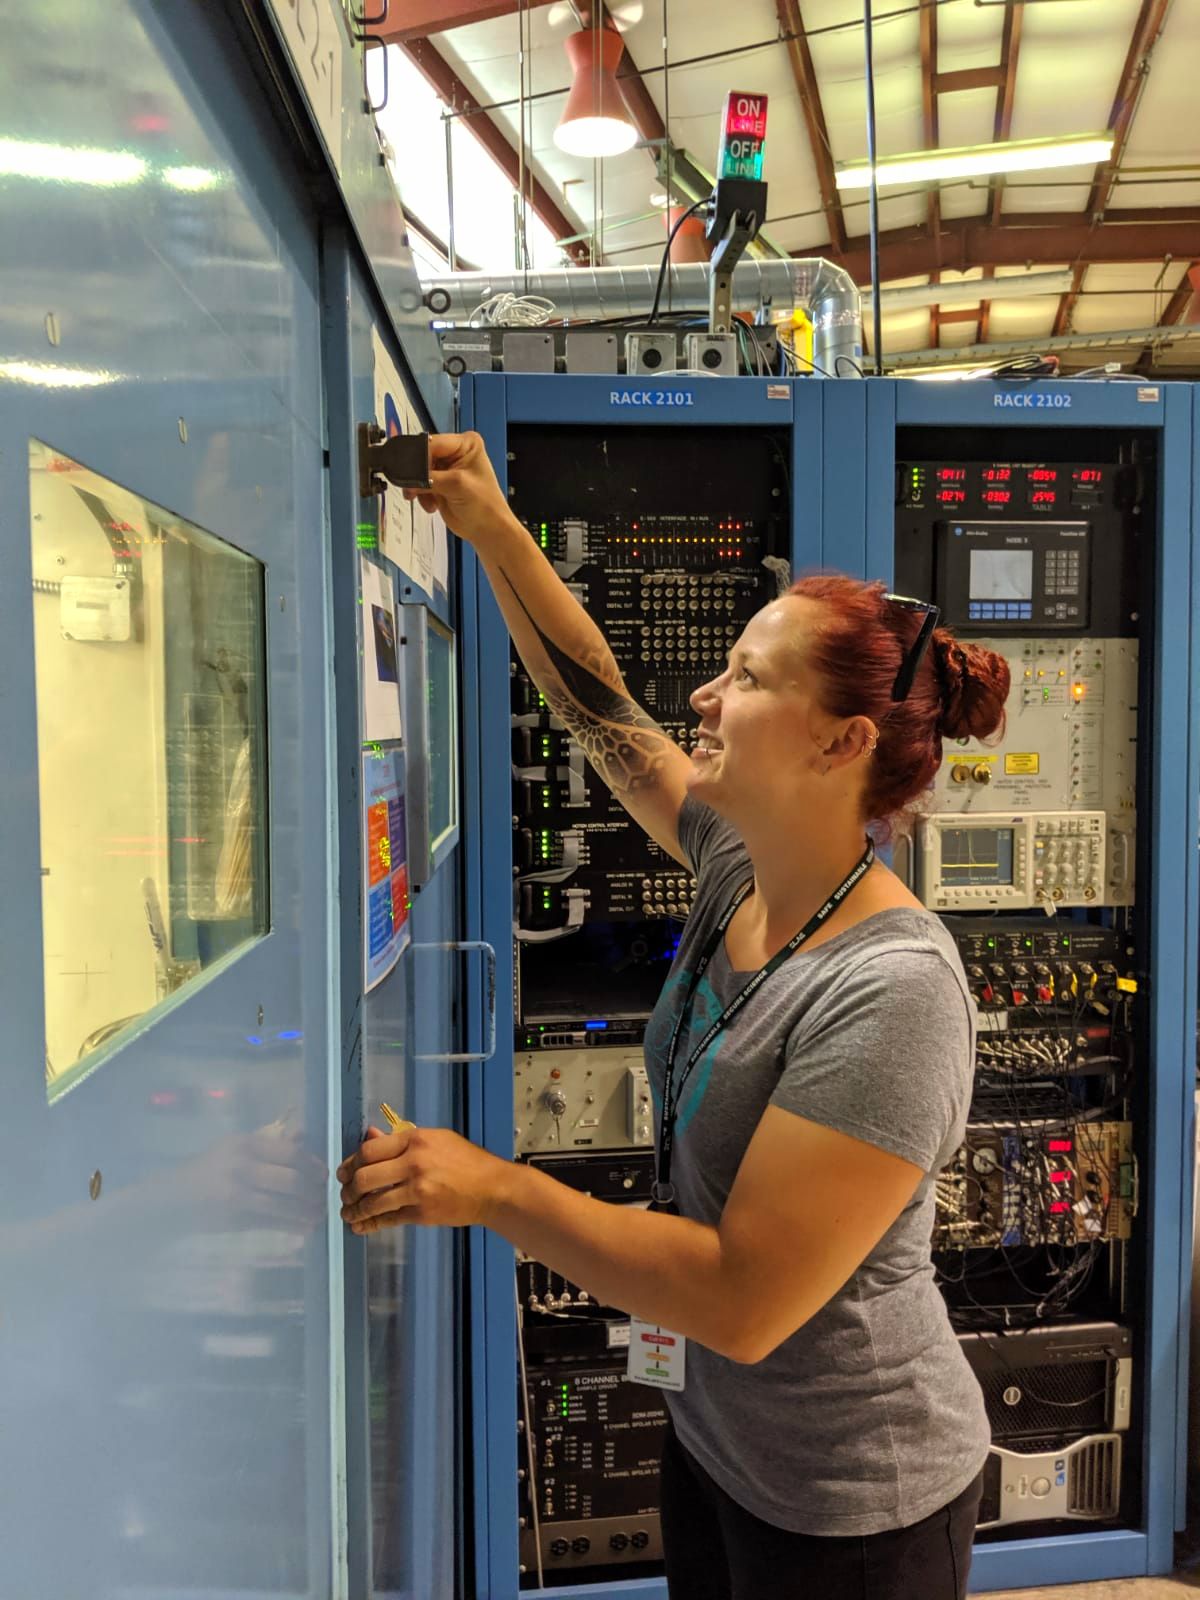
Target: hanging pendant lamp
x=595, y=120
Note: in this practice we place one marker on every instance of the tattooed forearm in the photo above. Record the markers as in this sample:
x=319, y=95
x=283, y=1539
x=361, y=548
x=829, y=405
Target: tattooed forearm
x=623, y=743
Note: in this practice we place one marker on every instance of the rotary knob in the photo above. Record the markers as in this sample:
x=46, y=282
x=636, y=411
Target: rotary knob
x=555, y=1102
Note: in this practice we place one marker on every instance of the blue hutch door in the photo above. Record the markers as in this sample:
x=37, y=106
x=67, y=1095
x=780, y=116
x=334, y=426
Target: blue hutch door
x=170, y=1303
x=403, y=1330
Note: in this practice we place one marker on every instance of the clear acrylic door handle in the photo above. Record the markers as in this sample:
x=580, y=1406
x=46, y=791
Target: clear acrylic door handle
x=463, y=947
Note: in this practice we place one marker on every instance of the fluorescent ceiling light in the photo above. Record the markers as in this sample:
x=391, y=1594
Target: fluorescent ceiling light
x=62, y=163
x=42, y=375
x=191, y=180
x=1019, y=155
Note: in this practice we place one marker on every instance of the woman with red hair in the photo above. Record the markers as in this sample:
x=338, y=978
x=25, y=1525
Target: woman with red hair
x=811, y=1061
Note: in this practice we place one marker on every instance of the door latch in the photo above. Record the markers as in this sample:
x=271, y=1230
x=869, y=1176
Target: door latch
x=402, y=460
x=464, y=946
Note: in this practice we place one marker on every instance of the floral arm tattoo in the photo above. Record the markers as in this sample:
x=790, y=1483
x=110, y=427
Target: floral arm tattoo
x=623, y=743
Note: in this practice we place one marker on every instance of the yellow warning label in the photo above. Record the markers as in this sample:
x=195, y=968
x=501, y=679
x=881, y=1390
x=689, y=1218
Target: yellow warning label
x=1021, y=766
x=1127, y=985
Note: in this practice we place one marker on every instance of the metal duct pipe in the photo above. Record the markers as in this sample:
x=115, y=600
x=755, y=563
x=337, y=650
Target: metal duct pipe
x=826, y=292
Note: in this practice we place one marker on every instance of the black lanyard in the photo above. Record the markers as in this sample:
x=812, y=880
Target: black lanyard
x=663, y=1192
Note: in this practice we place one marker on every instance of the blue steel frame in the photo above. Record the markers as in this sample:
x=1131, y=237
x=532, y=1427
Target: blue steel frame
x=843, y=453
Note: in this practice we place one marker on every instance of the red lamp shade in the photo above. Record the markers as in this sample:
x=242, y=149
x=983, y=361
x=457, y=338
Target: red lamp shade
x=595, y=121
x=690, y=243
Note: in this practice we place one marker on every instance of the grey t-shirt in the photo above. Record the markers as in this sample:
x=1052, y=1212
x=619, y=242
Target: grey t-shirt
x=868, y=1417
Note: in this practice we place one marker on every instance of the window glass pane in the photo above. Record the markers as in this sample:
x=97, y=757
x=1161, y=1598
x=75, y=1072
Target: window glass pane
x=411, y=123
x=149, y=643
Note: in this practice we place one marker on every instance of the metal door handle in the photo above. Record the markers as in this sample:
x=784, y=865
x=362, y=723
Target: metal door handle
x=463, y=946
x=372, y=41
x=362, y=20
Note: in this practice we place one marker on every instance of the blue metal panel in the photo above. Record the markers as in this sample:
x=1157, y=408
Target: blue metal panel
x=472, y=877
x=1069, y=1558
x=165, y=1351
x=1071, y=403
x=495, y=1431
x=808, y=475
x=1172, y=821
x=1187, y=1153
x=674, y=399
x=402, y=1375
x=344, y=395
x=881, y=481
x=844, y=534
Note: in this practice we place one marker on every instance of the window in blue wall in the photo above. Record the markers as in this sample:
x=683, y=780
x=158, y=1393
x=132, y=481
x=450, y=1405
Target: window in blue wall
x=411, y=122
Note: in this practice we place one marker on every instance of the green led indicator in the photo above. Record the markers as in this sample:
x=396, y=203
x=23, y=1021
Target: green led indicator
x=366, y=541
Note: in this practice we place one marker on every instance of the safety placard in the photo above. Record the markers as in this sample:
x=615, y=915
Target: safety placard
x=385, y=864
x=1021, y=765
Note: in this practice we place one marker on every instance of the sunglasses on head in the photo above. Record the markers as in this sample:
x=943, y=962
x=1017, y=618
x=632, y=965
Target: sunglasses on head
x=912, y=659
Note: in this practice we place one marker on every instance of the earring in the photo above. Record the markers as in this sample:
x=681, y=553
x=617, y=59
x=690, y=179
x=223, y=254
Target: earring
x=869, y=749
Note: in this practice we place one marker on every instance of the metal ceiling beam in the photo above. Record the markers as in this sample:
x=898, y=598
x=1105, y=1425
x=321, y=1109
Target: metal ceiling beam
x=967, y=242
x=1149, y=24
x=792, y=25
x=434, y=241
x=1114, y=339
x=1010, y=49
x=438, y=72
x=416, y=19
x=1188, y=290
x=968, y=78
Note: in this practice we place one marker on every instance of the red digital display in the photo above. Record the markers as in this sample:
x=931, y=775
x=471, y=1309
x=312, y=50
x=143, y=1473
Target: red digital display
x=997, y=474
x=952, y=474
x=1043, y=474
x=1060, y=1177
x=997, y=497
x=1058, y=1206
x=1043, y=497
x=1087, y=475
x=1059, y=1147
x=951, y=497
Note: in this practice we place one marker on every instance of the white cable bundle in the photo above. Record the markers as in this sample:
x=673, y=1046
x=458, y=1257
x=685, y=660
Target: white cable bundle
x=513, y=311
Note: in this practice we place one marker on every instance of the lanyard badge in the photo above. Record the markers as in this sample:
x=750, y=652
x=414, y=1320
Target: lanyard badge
x=663, y=1191
x=657, y=1357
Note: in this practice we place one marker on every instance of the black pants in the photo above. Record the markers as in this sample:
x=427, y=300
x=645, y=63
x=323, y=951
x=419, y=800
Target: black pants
x=715, y=1550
